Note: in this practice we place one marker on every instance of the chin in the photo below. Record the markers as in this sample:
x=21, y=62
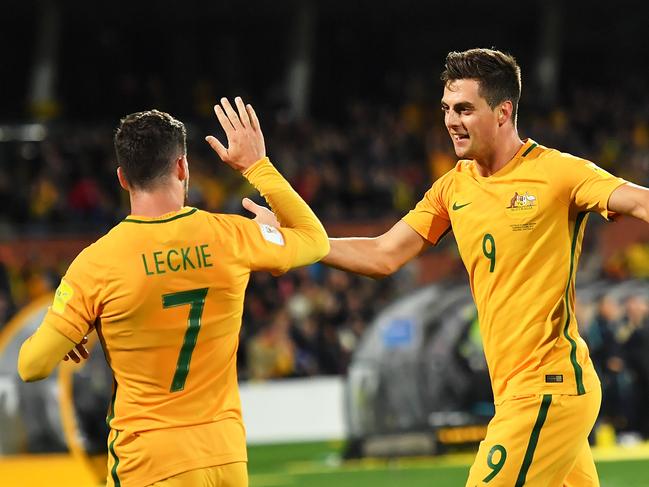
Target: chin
x=462, y=152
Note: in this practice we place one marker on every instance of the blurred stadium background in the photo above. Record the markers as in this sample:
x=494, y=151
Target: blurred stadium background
x=345, y=380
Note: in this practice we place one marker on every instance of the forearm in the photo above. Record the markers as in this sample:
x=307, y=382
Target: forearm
x=41, y=353
x=378, y=256
x=359, y=255
x=291, y=210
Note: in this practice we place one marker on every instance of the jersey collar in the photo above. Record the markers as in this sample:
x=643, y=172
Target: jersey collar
x=167, y=217
x=523, y=152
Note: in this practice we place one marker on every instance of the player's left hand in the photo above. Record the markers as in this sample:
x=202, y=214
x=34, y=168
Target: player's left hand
x=245, y=138
x=81, y=349
x=262, y=214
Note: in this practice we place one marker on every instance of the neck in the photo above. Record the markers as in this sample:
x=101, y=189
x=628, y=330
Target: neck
x=156, y=202
x=503, y=152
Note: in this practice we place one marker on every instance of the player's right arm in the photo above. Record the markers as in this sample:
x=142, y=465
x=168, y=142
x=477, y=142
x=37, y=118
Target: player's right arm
x=630, y=199
x=381, y=256
x=376, y=257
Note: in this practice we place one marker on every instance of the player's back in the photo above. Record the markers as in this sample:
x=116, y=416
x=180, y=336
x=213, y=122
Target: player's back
x=171, y=291
x=166, y=297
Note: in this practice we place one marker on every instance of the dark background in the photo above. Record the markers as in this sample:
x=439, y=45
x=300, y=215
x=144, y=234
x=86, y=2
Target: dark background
x=118, y=57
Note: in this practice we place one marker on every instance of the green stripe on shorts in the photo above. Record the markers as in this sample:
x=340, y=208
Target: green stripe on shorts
x=534, y=439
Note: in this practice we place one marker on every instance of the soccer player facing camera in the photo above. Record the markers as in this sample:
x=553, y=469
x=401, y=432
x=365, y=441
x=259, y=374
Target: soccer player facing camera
x=518, y=212
x=164, y=290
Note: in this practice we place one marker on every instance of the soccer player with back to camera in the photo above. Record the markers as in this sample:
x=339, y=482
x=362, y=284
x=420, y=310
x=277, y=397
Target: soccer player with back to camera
x=164, y=289
x=518, y=212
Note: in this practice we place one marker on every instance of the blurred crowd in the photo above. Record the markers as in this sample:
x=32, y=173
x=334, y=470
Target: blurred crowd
x=373, y=164
x=617, y=333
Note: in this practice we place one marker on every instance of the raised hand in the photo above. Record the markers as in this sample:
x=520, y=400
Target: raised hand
x=262, y=214
x=83, y=352
x=245, y=139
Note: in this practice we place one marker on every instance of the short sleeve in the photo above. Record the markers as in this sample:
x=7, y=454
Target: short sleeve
x=76, y=304
x=430, y=217
x=587, y=186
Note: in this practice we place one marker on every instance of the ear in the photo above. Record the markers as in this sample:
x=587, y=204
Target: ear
x=182, y=167
x=122, y=179
x=505, y=111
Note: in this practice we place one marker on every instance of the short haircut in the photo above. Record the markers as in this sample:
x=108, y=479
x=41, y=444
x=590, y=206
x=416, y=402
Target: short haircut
x=147, y=144
x=497, y=73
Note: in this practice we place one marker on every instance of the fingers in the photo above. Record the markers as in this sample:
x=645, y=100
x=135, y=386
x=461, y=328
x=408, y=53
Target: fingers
x=224, y=121
x=218, y=147
x=254, y=121
x=83, y=351
x=243, y=114
x=232, y=115
x=75, y=358
x=250, y=205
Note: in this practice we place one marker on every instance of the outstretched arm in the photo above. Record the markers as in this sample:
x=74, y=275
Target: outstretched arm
x=630, y=199
x=378, y=256
x=375, y=257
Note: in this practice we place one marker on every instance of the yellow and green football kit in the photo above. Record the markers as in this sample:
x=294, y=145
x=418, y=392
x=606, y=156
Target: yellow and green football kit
x=166, y=297
x=519, y=234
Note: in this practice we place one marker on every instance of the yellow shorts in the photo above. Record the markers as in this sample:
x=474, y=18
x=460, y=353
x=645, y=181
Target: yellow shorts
x=229, y=475
x=539, y=440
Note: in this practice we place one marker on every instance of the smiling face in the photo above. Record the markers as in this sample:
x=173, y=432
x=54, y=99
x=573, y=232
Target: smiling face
x=470, y=121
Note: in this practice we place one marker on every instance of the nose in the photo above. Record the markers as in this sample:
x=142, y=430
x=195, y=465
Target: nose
x=451, y=119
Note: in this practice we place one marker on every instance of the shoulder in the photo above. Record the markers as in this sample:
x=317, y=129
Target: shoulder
x=95, y=257
x=222, y=220
x=550, y=156
x=227, y=226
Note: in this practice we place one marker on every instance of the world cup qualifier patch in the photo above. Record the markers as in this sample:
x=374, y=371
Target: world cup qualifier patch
x=62, y=295
x=272, y=234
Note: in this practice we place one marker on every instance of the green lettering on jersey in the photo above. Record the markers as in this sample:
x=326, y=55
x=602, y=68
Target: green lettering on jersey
x=205, y=256
x=186, y=260
x=146, y=268
x=158, y=263
x=169, y=264
x=198, y=257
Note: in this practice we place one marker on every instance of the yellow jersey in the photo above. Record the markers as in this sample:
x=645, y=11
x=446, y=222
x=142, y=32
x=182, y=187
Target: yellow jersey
x=166, y=297
x=519, y=234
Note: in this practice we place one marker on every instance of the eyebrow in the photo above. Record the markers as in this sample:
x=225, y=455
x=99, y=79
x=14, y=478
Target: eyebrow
x=463, y=105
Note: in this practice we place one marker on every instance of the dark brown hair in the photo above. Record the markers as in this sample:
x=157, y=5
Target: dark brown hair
x=497, y=72
x=147, y=144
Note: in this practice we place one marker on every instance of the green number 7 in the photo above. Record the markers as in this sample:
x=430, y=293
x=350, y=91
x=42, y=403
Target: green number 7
x=196, y=299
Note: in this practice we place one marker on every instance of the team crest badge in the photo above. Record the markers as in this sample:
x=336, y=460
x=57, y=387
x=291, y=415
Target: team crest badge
x=522, y=205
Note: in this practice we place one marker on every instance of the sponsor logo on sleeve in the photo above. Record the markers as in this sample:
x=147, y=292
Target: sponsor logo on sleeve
x=271, y=234
x=62, y=295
